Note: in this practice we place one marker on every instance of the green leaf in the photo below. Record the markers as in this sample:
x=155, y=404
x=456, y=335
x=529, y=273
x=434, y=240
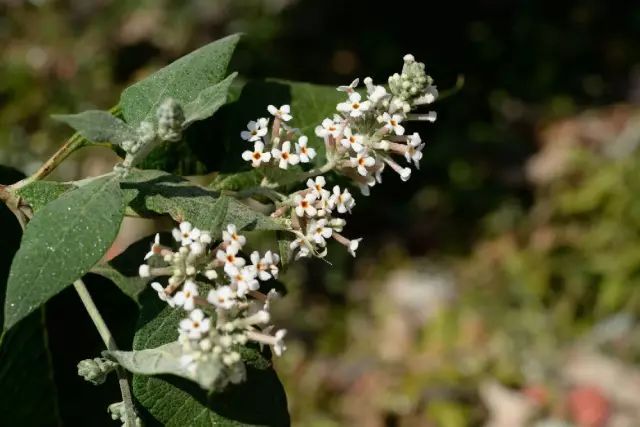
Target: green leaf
x=26, y=376
x=209, y=100
x=61, y=243
x=259, y=401
x=161, y=193
x=132, y=286
x=98, y=126
x=236, y=181
x=39, y=193
x=166, y=360
x=182, y=80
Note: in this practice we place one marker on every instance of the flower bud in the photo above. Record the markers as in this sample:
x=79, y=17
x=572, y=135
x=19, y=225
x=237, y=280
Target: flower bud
x=95, y=370
x=170, y=119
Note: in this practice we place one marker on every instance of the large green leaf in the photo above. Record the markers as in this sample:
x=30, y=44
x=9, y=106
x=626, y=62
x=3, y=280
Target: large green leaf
x=170, y=401
x=208, y=101
x=61, y=243
x=182, y=80
x=26, y=377
x=99, y=126
x=39, y=193
x=157, y=192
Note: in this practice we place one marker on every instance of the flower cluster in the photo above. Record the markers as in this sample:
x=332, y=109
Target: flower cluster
x=368, y=131
x=220, y=292
x=274, y=145
x=314, y=221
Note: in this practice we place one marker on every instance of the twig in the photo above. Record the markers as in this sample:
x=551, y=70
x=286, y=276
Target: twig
x=109, y=342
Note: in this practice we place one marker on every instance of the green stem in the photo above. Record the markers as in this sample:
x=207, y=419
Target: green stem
x=110, y=343
x=318, y=171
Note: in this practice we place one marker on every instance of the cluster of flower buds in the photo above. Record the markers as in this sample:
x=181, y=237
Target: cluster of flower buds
x=313, y=218
x=220, y=292
x=274, y=145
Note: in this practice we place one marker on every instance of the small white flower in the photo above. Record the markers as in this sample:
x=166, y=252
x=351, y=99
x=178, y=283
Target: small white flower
x=304, y=153
x=318, y=231
x=223, y=297
x=351, y=140
x=243, y=279
x=205, y=237
x=328, y=127
x=303, y=246
x=349, y=89
x=211, y=274
x=229, y=256
x=375, y=93
x=186, y=234
x=231, y=237
x=317, y=187
x=255, y=130
x=279, y=347
x=195, y=325
x=392, y=123
x=337, y=224
x=282, y=112
x=362, y=161
x=156, y=248
x=144, y=271
x=414, y=149
x=355, y=107
x=265, y=266
x=353, y=246
x=186, y=297
x=343, y=201
x=405, y=174
x=285, y=156
x=304, y=205
x=162, y=294
x=256, y=156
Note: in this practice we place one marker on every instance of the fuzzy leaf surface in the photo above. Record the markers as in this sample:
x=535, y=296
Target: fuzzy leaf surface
x=98, y=126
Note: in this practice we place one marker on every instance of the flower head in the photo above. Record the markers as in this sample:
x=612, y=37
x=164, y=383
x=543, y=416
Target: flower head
x=351, y=140
x=186, y=297
x=223, y=297
x=304, y=153
x=305, y=205
x=255, y=130
x=195, y=325
x=354, y=107
x=282, y=113
x=285, y=156
x=362, y=161
x=256, y=156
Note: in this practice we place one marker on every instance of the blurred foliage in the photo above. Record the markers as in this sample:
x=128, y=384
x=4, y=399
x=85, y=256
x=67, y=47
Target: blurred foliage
x=519, y=270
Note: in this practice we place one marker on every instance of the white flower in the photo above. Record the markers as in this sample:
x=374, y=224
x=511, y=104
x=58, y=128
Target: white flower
x=266, y=266
x=342, y=200
x=375, y=93
x=256, y=130
x=186, y=297
x=256, y=156
x=195, y=325
x=392, y=123
x=303, y=247
x=162, y=294
x=243, y=279
x=304, y=205
x=350, y=88
x=318, y=231
x=231, y=237
x=317, y=187
x=414, y=149
x=355, y=107
x=205, y=237
x=304, y=153
x=144, y=271
x=223, y=297
x=229, y=257
x=156, y=248
x=284, y=156
x=353, y=246
x=279, y=347
x=353, y=141
x=211, y=274
x=328, y=127
x=362, y=161
x=337, y=224
x=186, y=234
x=282, y=112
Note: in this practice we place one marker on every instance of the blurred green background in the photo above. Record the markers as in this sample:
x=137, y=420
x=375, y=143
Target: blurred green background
x=497, y=287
